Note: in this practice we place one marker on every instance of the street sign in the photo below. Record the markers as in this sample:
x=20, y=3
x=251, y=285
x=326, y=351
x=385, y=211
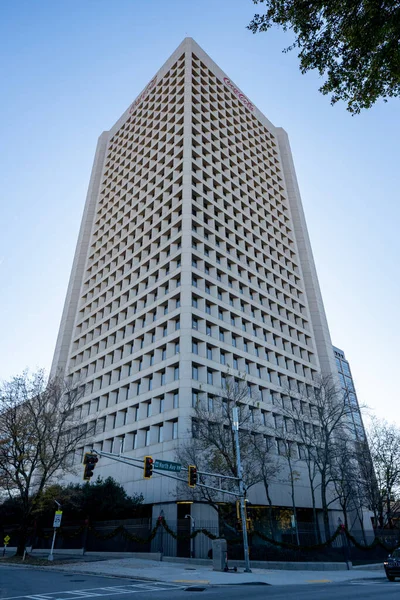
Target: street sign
x=166, y=465
x=6, y=540
x=57, y=518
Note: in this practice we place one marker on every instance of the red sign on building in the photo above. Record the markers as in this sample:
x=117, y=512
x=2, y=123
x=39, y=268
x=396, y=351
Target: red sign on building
x=239, y=94
x=143, y=94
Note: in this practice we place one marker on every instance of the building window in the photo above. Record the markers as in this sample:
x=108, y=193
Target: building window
x=162, y=404
x=209, y=377
x=195, y=399
x=209, y=352
x=281, y=447
x=195, y=372
x=195, y=323
x=195, y=347
x=176, y=374
x=177, y=348
x=174, y=430
x=163, y=378
x=160, y=434
x=222, y=358
x=148, y=411
x=176, y=400
x=147, y=438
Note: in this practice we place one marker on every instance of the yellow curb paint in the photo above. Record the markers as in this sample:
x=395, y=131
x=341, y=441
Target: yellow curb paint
x=190, y=581
x=319, y=581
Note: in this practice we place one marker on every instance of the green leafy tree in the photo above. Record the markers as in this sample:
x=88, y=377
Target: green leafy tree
x=104, y=499
x=353, y=44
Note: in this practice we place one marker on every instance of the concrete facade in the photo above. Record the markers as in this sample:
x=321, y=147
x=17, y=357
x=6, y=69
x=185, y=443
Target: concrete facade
x=193, y=260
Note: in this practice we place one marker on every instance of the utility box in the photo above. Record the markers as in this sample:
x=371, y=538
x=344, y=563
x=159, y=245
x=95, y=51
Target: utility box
x=219, y=550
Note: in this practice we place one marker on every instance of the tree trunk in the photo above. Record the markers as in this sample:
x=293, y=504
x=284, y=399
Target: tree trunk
x=325, y=507
x=317, y=532
x=270, y=519
x=293, y=501
x=22, y=537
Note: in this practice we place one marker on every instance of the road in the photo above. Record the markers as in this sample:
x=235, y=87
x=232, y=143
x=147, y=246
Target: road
x=34, y=584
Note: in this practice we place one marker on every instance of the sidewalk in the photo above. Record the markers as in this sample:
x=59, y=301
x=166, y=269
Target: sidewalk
x=197, y=574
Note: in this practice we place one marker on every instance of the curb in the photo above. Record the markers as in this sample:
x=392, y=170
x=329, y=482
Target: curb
x=72, y=572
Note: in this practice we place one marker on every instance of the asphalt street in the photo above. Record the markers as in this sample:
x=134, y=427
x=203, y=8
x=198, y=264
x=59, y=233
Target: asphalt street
x=34, y=584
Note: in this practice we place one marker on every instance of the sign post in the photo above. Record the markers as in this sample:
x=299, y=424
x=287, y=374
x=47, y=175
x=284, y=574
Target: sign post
x=6, y=541
x=56, y=525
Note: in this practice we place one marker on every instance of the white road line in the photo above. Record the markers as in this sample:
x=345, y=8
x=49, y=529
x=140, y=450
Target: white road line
x=134, y=588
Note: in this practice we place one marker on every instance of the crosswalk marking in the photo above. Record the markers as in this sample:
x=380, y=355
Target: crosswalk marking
x=133, y=588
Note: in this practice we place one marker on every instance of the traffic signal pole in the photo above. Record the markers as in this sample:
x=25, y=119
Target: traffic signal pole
x=193, y=479
x=242, y=494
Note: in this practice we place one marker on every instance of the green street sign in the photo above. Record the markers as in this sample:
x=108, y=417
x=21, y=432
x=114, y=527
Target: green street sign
x=6, y=540
x=166, y=465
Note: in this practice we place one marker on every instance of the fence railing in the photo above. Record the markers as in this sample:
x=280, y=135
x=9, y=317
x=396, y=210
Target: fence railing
x=174, y=538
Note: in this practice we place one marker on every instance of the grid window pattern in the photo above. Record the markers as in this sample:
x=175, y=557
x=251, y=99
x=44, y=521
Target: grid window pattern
x=190, y=164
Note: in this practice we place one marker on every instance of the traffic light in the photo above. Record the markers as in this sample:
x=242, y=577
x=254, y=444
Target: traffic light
x=89, y=460
x=192, y=476
x=148, y=467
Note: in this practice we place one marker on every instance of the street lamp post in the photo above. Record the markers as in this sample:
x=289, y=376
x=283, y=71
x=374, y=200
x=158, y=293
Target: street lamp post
x=242, y=496
x=192, y=526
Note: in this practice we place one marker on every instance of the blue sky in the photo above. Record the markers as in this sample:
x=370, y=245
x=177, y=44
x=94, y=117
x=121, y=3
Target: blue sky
x=70, y=68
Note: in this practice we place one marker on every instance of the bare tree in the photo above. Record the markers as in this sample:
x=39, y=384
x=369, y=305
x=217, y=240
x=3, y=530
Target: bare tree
x=289, y=453
x=39, y=432
x=263, y=447
x=368, y=484
x=297, y=426
x=321, y=414
x=345, y=476
x=212, y=448
x=384, y=442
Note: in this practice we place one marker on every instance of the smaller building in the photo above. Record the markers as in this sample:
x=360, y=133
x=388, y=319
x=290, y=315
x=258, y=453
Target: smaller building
x=346, y=380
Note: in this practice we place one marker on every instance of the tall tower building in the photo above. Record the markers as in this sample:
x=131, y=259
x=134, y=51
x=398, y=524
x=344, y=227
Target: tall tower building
x=193, y=259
